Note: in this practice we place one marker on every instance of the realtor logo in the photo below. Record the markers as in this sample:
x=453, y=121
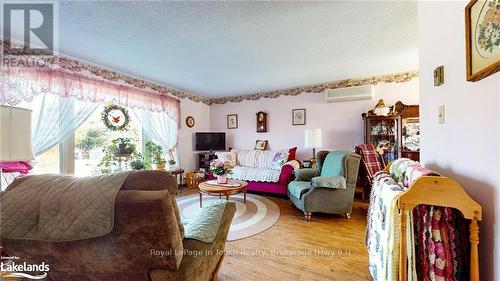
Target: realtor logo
x=31, y=26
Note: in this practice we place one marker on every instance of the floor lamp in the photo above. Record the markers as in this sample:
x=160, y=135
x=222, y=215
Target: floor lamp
x=15, y=135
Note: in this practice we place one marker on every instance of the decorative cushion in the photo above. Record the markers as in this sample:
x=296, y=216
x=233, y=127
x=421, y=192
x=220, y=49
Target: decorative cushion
x=246, y=158
x=294, y=163
x=263, y=159
x=279, y=159
x=23, y=167
x=291, y=153
x=333, y=164
x=254, y=174
x=227, y=156
x=298, y=188
x=205, y=225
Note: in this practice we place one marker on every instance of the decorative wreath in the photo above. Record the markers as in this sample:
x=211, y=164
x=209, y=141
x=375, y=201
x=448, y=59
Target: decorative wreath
x=115, y=117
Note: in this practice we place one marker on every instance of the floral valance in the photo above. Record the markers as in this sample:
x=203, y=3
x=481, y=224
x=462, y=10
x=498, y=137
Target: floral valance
x=17, y=84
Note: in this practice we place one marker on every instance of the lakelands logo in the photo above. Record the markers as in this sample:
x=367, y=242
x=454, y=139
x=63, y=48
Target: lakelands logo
x=29, y=31
x=23, y=270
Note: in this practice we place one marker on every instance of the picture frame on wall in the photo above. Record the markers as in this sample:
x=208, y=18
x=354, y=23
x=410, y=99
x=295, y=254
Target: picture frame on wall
x=232, y=121
x=260, y=144
x=482, y=49
x=299, y=116
x=190, y=121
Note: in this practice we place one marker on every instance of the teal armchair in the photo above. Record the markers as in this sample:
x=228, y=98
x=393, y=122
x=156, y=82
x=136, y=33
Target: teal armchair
x=328, y=188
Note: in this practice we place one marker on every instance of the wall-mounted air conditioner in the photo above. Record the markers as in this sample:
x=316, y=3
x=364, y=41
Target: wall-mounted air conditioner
x=348, y=94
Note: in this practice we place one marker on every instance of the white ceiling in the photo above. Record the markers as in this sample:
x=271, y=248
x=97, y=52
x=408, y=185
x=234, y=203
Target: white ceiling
x=218, y=49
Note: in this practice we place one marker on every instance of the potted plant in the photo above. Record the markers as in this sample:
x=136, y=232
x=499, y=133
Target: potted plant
x=220, y=168
x=115, y=155
x=124, y=146
x=137, y=162
x=154, y=153
x=108, y=160
x=159, y=163
x=171, y=163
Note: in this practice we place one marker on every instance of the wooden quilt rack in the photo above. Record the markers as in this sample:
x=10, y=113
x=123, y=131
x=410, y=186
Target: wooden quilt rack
x=443, y=192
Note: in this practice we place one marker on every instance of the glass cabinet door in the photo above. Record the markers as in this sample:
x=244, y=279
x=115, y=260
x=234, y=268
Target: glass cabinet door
x=411, y=134
x=384, y=134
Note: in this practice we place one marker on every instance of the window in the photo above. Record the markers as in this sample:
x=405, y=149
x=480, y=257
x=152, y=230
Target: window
x=91, y=140
x=47, y=162
x=81, y=153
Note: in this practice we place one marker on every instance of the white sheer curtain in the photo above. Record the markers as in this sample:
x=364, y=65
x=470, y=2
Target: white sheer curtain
x=162, y=130
x=55, y=118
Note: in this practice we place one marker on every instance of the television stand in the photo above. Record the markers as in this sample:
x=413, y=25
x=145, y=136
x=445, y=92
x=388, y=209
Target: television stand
x=204, y=159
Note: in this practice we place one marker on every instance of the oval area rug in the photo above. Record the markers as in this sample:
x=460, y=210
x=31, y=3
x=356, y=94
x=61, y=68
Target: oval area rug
x=251, y=218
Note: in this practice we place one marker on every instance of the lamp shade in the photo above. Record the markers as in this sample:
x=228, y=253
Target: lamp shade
x=15, y=134
x=313, y=138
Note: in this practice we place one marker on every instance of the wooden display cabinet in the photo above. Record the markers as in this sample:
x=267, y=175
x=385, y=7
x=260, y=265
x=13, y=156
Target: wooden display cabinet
x=395, y=135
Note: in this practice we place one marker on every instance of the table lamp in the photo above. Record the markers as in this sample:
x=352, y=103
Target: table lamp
x=313, y=140
x=15, y=135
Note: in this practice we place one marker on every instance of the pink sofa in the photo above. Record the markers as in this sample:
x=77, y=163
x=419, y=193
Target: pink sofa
x=249, y=169
x=279, y=187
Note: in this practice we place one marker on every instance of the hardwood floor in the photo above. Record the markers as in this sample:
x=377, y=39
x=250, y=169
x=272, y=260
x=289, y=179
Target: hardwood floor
x=329, y=247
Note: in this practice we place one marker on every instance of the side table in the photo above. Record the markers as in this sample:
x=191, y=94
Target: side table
x=178, y=173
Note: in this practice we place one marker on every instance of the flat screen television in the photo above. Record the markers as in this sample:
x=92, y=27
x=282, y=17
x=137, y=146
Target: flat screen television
x=210, y=141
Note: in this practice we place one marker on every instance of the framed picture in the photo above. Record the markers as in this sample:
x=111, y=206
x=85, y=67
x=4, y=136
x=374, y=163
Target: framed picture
x=306, y=164
x=299, y=116
x=232, y=121
x=261, y=144
x=190, y=121
x=481, y=39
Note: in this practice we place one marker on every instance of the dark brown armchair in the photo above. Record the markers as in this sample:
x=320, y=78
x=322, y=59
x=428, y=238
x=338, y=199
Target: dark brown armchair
x=146, y=242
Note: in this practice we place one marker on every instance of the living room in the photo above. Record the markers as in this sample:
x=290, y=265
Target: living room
x=250, y=140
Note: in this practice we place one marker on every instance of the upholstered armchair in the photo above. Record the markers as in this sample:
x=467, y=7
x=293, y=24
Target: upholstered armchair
x=330, y=187
x=147, y=241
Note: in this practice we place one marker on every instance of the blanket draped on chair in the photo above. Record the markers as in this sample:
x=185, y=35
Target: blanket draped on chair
x=59, y=208
x=383, y=236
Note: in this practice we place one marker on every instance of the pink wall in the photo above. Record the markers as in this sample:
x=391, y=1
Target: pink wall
x=341, y=122
x=466, y=146
x=185, y=148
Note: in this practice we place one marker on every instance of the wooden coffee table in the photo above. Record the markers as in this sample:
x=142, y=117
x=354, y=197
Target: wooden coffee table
x=223, y=190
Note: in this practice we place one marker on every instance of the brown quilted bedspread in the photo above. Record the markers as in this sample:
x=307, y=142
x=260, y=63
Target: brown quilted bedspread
x=59, y=208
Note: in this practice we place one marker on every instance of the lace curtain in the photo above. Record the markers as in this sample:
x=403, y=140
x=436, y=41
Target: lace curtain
x=68, y=99
x=25, y=84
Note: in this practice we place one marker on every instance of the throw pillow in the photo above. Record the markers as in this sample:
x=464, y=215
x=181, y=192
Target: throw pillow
x=227, y=156
x=280, y=158
x=291, y=153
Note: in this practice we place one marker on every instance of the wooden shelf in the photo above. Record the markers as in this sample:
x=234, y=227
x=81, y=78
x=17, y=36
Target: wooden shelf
x=204, y=159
